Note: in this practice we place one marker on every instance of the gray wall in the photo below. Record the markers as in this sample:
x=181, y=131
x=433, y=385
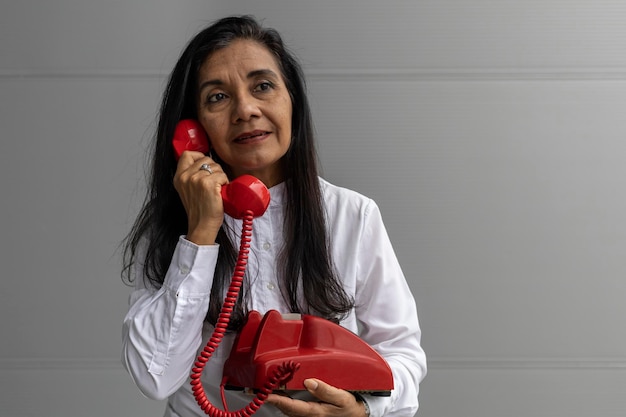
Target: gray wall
x=491, y=133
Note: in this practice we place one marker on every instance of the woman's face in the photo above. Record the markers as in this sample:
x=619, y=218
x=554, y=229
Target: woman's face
x=245, y=108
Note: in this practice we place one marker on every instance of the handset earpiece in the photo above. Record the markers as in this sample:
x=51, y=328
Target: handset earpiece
x=189, y=135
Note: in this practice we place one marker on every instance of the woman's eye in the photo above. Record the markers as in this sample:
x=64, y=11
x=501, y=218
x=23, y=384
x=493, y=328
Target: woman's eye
x=264, y=86
x=214, y=98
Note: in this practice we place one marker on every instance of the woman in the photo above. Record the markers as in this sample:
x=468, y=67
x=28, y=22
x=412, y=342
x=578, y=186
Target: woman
x=319, y=249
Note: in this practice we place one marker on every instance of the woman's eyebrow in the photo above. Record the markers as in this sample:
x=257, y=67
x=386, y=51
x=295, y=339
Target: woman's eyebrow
x=210, y=83
x=259, y=72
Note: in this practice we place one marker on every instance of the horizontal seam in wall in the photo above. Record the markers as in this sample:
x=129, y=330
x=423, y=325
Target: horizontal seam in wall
x=354, y=74
x=527, y=363
x=54, y=364
x=27, y=74
x=468, y=74
x=47, y=364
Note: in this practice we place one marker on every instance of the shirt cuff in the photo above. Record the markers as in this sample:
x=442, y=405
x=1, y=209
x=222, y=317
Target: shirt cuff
x=191, y=270
x=377, y=405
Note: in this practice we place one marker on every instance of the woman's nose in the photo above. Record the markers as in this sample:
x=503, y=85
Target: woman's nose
x=246, y=108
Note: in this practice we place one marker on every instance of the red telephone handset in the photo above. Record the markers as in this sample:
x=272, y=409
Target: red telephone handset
x=243, y=193
x=269, y=350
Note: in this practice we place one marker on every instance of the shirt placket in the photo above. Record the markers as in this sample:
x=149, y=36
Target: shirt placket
x=266, y=294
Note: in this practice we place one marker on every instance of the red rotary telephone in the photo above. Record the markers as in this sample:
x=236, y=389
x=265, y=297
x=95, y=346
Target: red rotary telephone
x=275, y=351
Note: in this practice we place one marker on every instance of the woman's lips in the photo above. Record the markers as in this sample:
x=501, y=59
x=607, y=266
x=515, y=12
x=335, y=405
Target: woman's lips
x=252, y=136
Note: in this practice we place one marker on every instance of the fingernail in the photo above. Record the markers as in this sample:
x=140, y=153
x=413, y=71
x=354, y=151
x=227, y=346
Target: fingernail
x=310, y=384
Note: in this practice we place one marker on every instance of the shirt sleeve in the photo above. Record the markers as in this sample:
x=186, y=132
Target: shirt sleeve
x=162, y=330
x=387, y=315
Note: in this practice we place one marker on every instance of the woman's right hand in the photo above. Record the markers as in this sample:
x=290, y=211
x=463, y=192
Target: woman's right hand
x=200, y=193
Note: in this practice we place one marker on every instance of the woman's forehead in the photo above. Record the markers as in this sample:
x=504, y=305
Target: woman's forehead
x=242, y=56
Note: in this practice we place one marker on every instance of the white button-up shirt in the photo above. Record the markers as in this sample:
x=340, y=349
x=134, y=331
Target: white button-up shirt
x=164, y=328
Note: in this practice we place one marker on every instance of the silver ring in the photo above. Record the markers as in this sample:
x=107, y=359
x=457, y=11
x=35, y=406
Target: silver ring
x=206, y=167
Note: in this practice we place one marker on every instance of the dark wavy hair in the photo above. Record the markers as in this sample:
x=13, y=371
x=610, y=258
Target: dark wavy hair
x=305, y=261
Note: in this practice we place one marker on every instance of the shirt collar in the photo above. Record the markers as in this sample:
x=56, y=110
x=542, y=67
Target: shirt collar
x=278, y=194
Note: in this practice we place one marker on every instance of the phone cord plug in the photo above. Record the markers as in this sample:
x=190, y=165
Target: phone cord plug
x=281, y=374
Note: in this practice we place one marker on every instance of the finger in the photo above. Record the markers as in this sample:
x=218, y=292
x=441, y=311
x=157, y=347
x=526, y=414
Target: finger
x=327, y=393
x=185, y=167
x=292, y=407
x=205, y=164
x=200, y=169
x=209, y=174
x=188, y=158
x=196, y=175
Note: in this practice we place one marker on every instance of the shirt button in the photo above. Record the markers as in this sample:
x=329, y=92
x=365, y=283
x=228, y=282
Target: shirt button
x=266, y=246
x=184, y=269
x=270, y=286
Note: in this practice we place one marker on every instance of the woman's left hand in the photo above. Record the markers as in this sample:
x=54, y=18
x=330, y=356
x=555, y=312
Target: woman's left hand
x=332, y=402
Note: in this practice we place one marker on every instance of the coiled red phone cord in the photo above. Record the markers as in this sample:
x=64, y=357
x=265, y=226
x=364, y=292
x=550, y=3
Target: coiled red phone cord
x=282, y=374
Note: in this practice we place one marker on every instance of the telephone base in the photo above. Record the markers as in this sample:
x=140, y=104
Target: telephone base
x=322, y=350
